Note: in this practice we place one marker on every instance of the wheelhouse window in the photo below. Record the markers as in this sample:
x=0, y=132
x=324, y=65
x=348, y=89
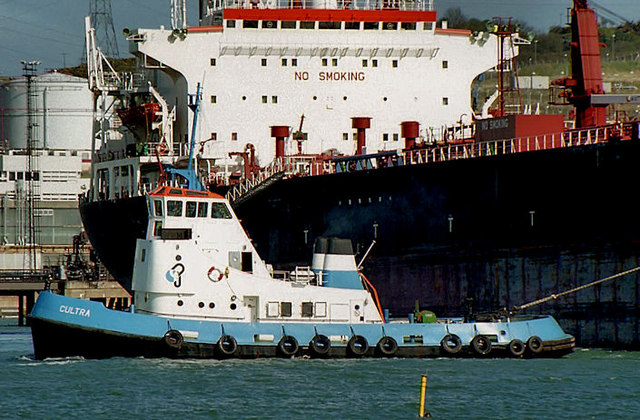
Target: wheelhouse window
x=157, y=206
x=174, y=208
x=191, y=209
x=285, y=309
x=203, y=209
x=307, y=309
x=220, y=211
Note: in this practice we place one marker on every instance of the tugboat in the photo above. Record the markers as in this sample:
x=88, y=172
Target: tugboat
x=202, y=291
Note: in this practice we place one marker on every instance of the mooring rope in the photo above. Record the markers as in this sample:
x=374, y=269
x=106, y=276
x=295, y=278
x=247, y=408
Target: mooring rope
x=575, y=289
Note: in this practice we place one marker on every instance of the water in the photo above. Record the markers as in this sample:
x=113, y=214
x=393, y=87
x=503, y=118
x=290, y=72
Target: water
x=587, y=384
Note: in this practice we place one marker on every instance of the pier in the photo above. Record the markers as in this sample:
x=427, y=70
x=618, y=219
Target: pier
x=25, y=285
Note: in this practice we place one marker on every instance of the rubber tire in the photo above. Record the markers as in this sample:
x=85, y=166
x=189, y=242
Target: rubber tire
x=534, y=345
x=447, y=347
x=481, y=345
x=357, y=346
x=227, y=346
x=173, y=339
x=288, y=346
x=320, y=345
x=516, y=348
x=387, y=346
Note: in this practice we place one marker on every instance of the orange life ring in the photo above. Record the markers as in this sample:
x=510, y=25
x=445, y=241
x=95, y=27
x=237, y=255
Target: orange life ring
x=217, y=274
x=162, y=148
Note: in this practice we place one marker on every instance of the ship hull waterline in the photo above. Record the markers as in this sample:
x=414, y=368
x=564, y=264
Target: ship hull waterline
x=68, y=327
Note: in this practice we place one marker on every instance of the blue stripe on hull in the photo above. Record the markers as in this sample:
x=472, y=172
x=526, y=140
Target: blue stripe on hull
x=148, y=331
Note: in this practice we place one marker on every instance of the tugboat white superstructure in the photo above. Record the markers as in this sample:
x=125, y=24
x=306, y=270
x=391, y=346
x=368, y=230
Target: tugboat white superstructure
x=201, y=290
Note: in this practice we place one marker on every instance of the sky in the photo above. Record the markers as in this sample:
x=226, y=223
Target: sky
x=52, y=31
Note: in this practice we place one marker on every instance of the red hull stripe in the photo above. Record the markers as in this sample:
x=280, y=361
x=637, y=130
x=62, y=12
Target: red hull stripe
x=331, y=15
x=205, y=29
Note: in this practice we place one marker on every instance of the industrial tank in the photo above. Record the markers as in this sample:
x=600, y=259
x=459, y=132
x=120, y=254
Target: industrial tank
x=62, y=106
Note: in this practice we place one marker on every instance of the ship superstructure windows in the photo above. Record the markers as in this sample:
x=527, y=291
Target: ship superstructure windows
x=329, y=25
x=269, y=24
x=214, y=99
x=231, y=24
x=274, y=99
x=263, y=62
x=157, y=207
x=251, y=24
x=264, y=99
x=190, y=209
x=294, y=62
x=390, y=26
x=408, y=26
x=445, y=101
x=365, y=63
x=445, y=64
x=284, y=62
x=174, y=208
x=220, y=211
x=352, y=25
x=428, y=26
x=288, y=24
x=394, y=63
x=307, y=25
x=203, y=209
x=374, y=63
x=234, y=136
x=369, y=26
x=212, y=62
x=334, y=62
x=325, y=62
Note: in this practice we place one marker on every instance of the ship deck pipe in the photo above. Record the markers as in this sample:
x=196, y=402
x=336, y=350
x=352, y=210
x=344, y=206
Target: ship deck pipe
x=410, y=131
x=280, y=132
x=361, y=124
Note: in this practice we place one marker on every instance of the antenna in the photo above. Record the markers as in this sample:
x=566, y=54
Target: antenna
x=100, y=14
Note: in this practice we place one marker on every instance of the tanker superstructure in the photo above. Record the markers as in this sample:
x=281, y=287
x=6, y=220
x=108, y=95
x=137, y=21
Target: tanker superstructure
x=518, y=212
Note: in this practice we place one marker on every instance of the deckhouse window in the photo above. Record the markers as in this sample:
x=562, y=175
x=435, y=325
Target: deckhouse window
x=174, y=208
x=269, y=24
x=307, y=25
x=231, y=24
x=371, y=26
x=220, y=211
x=352, y=25
x=329, y=25
x=307, y=309
x=157, y=205
x=203, y=209
x=191, y=209
x=250, y=24
x=285, y=309
x=390, y=26
x=408, y=26
x=288, y=24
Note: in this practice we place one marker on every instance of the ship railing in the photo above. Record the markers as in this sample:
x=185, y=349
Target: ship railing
x=579, y=137
x=300, y=275
x=412, y=5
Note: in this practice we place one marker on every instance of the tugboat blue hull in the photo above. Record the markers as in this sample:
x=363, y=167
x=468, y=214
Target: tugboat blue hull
x=66, y=327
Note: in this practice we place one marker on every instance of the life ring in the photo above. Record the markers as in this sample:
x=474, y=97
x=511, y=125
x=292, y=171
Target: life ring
x=288, y=346
x=534, y=344
x=358, y=345
x=214, y=274
x=227, y=345
x=516, y=348
x=451, y=344
x=387, y=346
x=481, y=345
x=173, y=339
x=320, y=345
x=162, y=148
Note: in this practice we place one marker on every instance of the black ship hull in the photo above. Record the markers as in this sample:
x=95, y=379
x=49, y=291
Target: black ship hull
x=491, y=232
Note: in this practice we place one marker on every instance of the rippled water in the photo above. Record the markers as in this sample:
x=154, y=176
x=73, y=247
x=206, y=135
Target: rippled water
x=587, y=384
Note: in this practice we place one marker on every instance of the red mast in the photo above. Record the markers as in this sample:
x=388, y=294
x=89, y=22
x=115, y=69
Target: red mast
x=586, y=73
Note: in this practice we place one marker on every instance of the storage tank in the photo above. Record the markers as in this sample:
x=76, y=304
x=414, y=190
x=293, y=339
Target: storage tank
x=63, y=110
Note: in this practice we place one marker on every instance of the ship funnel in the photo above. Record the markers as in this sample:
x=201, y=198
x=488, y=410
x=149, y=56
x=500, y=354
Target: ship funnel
x=410, y=131
x=280, y=132
x=333, y=257
x=361, y=124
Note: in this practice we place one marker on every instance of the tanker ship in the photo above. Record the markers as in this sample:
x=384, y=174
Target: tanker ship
x=355, y=120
